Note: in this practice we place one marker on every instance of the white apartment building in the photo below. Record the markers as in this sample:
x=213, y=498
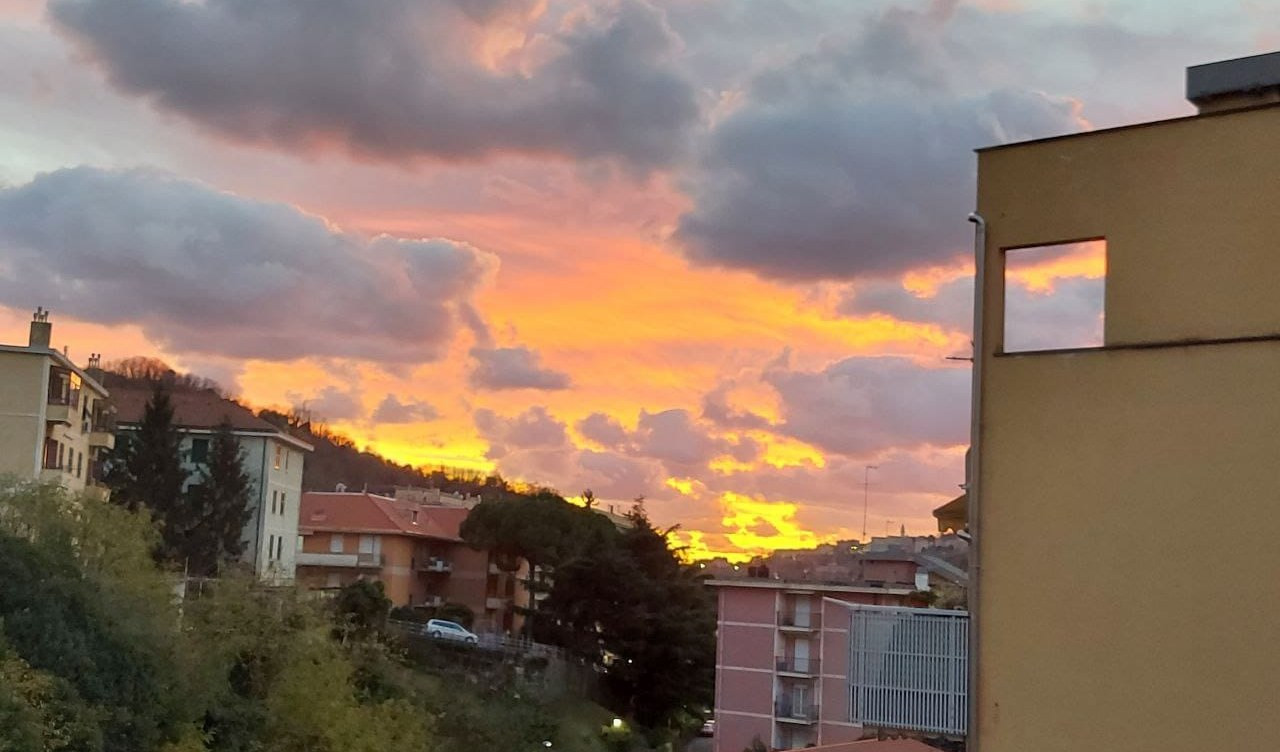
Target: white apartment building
x=273, y=461
x=55, y=419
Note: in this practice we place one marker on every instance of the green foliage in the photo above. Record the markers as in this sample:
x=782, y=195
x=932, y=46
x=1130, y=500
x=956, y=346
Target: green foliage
x=361, y=609
x=217, y=509
x=144, y=470
x=622, y=599
x=457, y=612
x=756, y=746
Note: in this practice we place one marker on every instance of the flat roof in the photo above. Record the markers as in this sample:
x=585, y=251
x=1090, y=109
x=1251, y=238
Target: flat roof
x=1131, y=126
x=61, y=360
x=817, y=587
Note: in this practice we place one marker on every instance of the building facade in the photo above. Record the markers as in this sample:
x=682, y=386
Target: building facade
x=55, y=419
x=273, y=460
x=782, y=660
x=414, y=549
x=1095, y=465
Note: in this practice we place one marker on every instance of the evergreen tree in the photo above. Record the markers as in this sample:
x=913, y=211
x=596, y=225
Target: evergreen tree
x=217, y=509
x=145, y=470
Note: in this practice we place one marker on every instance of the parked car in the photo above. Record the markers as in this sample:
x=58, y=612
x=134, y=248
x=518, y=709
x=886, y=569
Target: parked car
x=708, y=728
x=439, y=629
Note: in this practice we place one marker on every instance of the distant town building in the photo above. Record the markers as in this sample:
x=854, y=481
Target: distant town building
x=435, y=497
x=1093, y=463
x=414, y=549
x=273, y=461
x=782, y=661
x=55, y=419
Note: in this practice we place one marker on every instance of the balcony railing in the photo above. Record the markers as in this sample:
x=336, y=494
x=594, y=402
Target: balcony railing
x=787, y=710
x=496, y=602
x=435, y=564
x=325, y=559
x=811, y=622
x=908, y=669
x=794, y=665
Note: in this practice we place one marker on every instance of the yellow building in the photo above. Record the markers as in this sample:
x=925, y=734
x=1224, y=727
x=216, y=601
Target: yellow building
x=1125, y=496
x=54, y=418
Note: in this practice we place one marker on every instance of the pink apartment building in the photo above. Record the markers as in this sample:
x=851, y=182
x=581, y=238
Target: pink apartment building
x=783, y=659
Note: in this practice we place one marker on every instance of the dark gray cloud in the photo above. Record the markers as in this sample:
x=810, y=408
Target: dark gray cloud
x=855, y=159
x=206, y=272
x=862, y=405
x=392, y=410
x=950, y=306
x=499, y=368
x=675, y=438
x=397, y=79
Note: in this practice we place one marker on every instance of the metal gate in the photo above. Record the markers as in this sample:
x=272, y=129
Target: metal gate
x=908, y=668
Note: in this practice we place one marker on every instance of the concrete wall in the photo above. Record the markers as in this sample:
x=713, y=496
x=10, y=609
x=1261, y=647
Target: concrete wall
x=1128, y=494
x=22, y=398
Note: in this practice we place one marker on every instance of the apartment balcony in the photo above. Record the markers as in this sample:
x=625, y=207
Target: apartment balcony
x=799, y=667
x=435, y=565
x=801, y=624
x=786, y=711
x=496, y=603
x=343, y=561
x=60, y=411
x=433, y=601
x=102, y=433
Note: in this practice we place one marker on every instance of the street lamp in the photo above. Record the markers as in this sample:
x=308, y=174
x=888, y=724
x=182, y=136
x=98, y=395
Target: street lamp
x=866, y=492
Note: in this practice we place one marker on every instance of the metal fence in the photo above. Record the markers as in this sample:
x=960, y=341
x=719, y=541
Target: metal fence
x=908, y=668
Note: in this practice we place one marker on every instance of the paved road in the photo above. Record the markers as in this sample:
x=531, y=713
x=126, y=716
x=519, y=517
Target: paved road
x=701, y=744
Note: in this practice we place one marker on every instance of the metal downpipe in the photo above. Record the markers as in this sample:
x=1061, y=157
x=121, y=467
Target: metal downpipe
x=974, y=505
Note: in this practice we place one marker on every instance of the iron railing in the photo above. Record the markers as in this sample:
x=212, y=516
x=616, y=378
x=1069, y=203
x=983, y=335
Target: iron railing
x=793, y=711
x=794, y=665
x=908, y=669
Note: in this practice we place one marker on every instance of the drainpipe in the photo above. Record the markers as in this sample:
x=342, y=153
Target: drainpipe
x=975, y=454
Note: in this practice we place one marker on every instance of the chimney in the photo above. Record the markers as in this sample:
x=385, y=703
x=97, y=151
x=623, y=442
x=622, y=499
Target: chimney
x=1235, y=84
x=41, y=330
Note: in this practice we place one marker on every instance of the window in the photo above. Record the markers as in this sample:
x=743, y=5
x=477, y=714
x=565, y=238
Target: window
x=1053, y=296
x=279, y=546
x=279, y=456
x=271, y=544
x=335, y=544
x=300, y=546
x=200, y=450
x=79, y=464
x=368, y=544
x=413, y=515
x=274, y=496
x=62, y=451
x=286, y=459
x=282, y=503
x=334, y=580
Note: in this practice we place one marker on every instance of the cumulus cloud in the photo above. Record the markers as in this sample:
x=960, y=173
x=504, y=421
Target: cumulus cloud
x=862, y=405
x=396, y=79
x=604, y=430
x=206, y=272
x=855, y=159
x=673, y=437
x=499, y=368
x=330, y=403
x=392, y=410
x=534, y=428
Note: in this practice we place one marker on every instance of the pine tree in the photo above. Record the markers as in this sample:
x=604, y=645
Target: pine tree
x=218, y=507
x=145, y=470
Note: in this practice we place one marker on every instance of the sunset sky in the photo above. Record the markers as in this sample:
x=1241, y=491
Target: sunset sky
x=711, y=252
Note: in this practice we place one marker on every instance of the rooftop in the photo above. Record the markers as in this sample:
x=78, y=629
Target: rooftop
x=344, y=512
x=200, y=410
x=814, y=587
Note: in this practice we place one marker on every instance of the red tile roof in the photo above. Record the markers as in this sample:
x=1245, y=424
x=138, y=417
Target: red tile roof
x=369, y=513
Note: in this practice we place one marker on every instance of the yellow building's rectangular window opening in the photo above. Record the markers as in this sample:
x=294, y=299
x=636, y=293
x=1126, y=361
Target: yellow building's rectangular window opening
x=1053, y=296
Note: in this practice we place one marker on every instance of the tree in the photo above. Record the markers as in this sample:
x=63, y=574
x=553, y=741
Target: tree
x=145, y=469
x=361, y=609
x=216, y=509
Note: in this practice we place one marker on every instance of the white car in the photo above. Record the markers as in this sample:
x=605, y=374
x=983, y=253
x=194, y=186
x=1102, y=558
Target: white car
x=439, y=629
x=708, y=728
